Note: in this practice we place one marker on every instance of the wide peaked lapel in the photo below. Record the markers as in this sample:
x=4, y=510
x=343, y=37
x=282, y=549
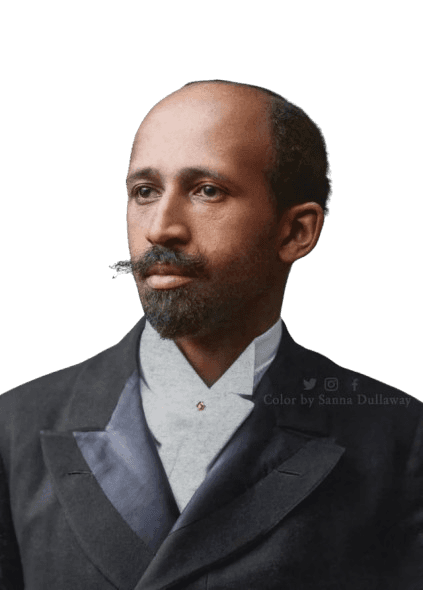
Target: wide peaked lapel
x=276, y=459
x=105, y=468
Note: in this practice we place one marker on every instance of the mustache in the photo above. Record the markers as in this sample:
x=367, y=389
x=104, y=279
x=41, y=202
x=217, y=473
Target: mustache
x=191, y=264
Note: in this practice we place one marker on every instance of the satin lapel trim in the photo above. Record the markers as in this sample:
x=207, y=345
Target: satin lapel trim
x=124, y=460
x=195, y=547
x=113, y=489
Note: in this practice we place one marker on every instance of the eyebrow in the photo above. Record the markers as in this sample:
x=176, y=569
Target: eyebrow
x=186, y=175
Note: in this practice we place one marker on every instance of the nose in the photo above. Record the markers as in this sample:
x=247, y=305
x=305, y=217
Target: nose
x=168, y=223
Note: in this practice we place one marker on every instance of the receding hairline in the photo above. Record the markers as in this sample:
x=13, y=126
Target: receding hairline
x=260, y=89
x=263, y=93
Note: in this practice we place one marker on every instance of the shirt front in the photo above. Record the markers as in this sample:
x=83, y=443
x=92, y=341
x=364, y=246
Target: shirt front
x=188, y=438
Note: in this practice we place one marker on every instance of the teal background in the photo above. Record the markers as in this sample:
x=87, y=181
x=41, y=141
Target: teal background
x=77, y=78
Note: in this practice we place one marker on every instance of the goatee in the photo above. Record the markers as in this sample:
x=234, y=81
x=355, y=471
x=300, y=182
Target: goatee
x=207, y=304
x=177, y=312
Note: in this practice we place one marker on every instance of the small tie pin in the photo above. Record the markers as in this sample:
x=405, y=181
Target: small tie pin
x=201, y=406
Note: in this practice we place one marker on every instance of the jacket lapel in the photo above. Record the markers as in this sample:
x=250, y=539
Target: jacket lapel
x=109, y=479
x=124, y=460
x=193, y=548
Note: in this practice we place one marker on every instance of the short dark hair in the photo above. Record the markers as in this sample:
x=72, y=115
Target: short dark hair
x=299, y=171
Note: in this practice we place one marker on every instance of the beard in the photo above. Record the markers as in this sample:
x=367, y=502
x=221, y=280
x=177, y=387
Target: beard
x=188, y=310
x=195, y=309
x=212, y=301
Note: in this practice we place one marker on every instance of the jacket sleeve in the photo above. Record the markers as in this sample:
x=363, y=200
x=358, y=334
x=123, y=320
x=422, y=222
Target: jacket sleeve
x=410, y=540
x=11, y=577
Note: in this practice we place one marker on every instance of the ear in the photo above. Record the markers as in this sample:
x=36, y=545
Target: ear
x=299, y=231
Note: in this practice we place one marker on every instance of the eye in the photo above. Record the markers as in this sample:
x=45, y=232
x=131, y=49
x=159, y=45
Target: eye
x=209, y=191
x=143, y=193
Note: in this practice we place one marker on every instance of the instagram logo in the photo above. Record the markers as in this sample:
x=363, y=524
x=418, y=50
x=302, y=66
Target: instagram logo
x=331, y=384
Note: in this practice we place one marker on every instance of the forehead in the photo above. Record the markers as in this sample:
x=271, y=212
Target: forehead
x=206, y=121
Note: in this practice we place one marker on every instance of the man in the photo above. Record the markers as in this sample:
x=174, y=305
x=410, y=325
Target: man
x=208, y=449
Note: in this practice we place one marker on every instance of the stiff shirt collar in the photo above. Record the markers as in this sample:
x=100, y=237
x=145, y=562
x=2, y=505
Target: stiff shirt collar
x=165, y=370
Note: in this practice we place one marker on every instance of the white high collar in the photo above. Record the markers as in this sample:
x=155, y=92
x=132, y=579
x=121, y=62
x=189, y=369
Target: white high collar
x=165, y=369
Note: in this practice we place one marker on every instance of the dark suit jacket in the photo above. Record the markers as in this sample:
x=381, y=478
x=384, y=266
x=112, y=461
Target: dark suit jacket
x=321, y=497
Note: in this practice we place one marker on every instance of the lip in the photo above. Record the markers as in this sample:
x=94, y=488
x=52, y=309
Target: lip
x=162, y=281
x=165, y=269
x=166, y=276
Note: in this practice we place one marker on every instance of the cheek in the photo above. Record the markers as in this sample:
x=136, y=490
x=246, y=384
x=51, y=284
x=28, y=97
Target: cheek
x=136, y=233
x=135, y=237
x=234, y=234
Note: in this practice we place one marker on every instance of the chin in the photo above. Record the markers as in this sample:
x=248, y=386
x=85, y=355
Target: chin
x=173, y=328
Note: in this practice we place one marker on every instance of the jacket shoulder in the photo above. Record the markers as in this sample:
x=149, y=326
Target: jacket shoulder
x=41, y=402
x=351, y=400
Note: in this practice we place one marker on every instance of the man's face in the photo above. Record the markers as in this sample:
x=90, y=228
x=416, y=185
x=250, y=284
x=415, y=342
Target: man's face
x=201, y=223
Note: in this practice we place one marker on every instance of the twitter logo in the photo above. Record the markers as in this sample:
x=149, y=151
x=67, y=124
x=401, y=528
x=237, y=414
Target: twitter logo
x=309, y=384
